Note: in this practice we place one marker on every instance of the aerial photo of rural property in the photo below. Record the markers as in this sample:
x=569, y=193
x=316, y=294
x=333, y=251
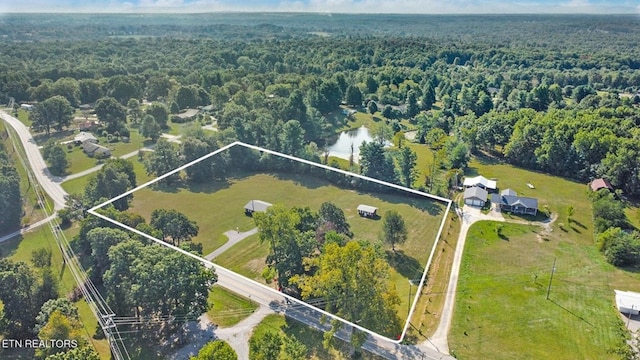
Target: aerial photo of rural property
x=279, y=180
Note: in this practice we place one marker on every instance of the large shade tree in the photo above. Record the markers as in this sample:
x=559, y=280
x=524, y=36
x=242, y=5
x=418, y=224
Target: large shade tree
x=353, y=279
x=55, y=112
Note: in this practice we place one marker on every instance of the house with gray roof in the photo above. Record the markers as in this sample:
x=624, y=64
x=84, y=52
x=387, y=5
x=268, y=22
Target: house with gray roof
x=509, y=201
x=95, y=150
x=475, y=196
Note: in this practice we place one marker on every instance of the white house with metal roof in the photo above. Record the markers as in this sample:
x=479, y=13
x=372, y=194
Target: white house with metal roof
x=481, y=182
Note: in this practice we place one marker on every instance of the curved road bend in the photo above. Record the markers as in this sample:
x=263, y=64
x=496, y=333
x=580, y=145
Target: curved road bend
x=45, y=179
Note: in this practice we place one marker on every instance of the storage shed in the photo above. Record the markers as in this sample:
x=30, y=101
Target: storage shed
x=367, y=211
x=256, y=205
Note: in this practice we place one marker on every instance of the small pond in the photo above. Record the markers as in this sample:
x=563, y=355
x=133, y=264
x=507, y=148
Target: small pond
x=343, y=145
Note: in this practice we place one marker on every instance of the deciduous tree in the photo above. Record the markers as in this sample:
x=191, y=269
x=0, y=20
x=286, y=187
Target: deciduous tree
x=112, y=113
x=394, y=229
x=353, y=279
x=55, y=112
x=175, y=226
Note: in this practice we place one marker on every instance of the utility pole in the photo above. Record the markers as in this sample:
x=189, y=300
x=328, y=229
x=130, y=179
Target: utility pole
x=553, y=270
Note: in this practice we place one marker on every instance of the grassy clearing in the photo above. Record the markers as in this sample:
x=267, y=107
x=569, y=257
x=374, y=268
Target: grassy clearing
x=201, y=203
x=228, y=308
x=312, y=339
x=579, y=320
x=77, y=185
x=247, y=258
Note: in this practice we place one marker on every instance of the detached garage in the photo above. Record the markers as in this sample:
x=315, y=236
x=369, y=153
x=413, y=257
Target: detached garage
x=475, y=196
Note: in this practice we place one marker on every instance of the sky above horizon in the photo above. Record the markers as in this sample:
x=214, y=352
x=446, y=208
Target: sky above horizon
x=328, y=6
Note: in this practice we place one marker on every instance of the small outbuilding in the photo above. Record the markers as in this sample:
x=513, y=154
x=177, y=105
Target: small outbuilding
x=628, y=302
x=27, y=107
x=256, y=206
x=599, y=184
x=367, y=211
x=481, y=182
x=475, y=196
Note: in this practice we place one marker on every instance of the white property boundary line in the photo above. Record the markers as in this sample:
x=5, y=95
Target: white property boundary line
x=218, y=268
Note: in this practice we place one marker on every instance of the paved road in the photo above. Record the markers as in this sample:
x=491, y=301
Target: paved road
x=27, y=228
x=39, y=167
x=439, y=340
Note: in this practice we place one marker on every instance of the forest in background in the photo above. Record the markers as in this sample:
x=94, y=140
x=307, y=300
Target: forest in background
x=558, y=94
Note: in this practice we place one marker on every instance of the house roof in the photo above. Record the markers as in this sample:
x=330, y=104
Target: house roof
x=512, y=200
x=476, y=192
x=90, y=147
x=257, y=205
x=508, y=192
x=627, y=299
x=601, y=183
x=85, y=136
x=480, y=180
x=189, y=113
x=367, y=208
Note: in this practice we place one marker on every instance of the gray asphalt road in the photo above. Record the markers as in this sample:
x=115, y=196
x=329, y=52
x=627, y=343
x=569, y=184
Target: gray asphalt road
x=39, y=167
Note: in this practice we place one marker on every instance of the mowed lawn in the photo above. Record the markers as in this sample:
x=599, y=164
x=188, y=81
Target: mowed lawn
x=219, y=207
x=501, y=307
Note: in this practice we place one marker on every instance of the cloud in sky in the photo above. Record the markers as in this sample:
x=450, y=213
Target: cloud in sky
x=337, y=6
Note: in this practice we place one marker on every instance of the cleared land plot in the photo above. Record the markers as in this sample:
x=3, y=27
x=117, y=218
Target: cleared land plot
x=219, y=207
x=501, y=306
x=501, y=301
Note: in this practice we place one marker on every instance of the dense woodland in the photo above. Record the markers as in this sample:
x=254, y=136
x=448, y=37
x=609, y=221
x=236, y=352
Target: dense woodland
x=10, y=214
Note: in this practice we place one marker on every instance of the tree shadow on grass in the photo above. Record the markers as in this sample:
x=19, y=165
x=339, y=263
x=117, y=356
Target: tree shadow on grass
x=308, y=181
x=431, y=206
x=8, y=248
x=573, y=221
x=404, y=264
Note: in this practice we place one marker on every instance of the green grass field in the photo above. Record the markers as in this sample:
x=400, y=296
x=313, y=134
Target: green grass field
x=312, y=339
x=228, y=308
x=501, y=306
x=218, y=207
